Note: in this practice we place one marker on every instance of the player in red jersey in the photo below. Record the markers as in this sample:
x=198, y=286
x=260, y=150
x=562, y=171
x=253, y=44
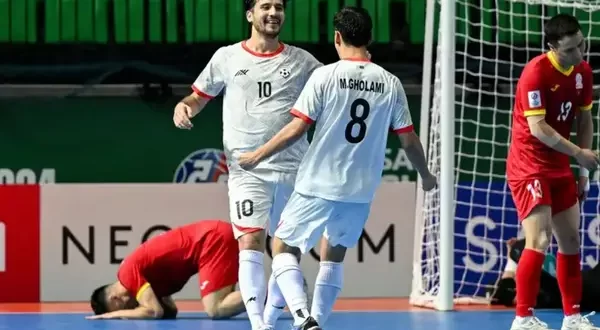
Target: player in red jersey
x=161, y=267
x=554, y=89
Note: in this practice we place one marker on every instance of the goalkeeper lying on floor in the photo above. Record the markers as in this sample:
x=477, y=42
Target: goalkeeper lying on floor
x=504, y=292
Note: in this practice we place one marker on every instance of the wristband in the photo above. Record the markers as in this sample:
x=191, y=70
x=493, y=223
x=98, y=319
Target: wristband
x=587, y=186
x=584, y=172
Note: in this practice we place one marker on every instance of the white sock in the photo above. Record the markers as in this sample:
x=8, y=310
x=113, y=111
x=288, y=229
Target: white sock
x=327, y=287
x=289, y=278
x=252, y=285
x=275, y=302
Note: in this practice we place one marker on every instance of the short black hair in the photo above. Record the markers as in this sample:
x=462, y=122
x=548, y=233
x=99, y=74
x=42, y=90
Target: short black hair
x=99, y=300
x=355, y=25
x=560, y=26
x=249, y=4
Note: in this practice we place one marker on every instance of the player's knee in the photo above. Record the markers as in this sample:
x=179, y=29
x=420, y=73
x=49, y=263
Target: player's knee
x=568, y=242
x=566, y=227
x=212, y=311
x=279, y=246
x=332, y=253
x=538, y=228
x=254, y=240
x=538, y=240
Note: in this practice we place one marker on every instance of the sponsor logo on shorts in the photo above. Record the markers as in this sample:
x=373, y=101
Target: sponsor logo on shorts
x=535, y=99
x=201, y=166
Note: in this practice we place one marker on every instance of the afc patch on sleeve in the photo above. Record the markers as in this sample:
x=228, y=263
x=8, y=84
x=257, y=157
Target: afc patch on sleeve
x=535, y=99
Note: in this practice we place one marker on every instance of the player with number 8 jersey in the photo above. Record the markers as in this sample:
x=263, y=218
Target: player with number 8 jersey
x=353, y=104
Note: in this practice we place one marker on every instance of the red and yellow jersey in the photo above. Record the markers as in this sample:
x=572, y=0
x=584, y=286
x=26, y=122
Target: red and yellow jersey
x=167, y=261
x=546, y=88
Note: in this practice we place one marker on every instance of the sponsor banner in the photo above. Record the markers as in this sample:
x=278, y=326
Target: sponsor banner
x=486, y=218
x=19, y=243
x=87, y=230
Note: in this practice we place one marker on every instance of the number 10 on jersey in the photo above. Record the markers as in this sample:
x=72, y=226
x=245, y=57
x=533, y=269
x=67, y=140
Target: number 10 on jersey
x=264, y=89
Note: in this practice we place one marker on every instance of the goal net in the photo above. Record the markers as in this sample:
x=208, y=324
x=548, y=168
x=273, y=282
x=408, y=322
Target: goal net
x=494, y=40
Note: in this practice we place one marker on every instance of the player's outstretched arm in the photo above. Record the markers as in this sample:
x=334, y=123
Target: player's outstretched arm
x=546, y=134
x=414, y=151
x=223, y=303
x=286, y=137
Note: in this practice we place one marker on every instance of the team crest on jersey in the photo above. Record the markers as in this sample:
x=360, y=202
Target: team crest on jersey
x=201, y=166
x=284, y=72
x=578, y=81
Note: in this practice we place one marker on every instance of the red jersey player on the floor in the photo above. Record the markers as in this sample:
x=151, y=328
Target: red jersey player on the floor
x=161, y=267
x=554, y=89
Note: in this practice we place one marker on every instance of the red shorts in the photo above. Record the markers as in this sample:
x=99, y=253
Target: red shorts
x=220, y=264
x=559, y=193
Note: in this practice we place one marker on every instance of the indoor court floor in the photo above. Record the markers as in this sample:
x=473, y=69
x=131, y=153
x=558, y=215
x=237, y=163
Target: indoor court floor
x=351, y=314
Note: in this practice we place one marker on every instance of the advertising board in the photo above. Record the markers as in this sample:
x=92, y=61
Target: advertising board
x=87, y=230
x=486, y=218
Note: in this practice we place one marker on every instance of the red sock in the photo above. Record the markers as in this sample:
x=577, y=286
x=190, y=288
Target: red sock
x=527, y=278
x=568, y=274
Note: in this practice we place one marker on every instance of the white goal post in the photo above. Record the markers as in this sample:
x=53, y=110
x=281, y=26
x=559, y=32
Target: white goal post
x=462, y=226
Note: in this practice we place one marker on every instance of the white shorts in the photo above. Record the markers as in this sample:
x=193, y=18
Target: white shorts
x=305, y=219
x=256, y=204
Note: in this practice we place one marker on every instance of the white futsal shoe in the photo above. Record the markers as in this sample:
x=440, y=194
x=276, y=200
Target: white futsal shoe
x=528, y=323
x=266, y=327
x=578, y=322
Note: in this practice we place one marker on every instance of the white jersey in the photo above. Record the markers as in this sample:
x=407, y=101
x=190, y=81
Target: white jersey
x=354, y=105
x=259, y=92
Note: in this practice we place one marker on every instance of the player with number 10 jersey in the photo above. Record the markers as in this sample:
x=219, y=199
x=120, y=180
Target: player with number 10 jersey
x=259, y=90
x=545, y=88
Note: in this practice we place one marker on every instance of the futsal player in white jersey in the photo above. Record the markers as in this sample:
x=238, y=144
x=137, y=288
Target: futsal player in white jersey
x=353, y=104
x=261, y=79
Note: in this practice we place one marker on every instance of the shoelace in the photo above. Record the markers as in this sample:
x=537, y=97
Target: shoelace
x=538, y=322
x=586, y=321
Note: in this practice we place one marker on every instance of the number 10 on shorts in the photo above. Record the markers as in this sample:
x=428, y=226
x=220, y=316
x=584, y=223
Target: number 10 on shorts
x=244, y=208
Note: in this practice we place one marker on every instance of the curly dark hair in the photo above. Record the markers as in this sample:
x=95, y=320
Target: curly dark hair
x=355, y=25
x=249, y=4
x=99, y=301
